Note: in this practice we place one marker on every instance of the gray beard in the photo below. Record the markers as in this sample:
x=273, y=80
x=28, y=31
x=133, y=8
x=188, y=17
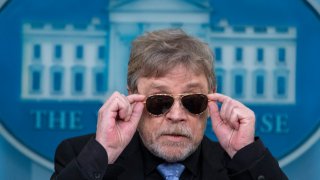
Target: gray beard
x=184, y=152
x=181, y=151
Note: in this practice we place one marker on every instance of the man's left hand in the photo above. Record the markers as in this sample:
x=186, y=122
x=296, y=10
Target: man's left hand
x=233, y=124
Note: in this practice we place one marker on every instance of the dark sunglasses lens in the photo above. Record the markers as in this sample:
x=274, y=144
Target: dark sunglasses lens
x=159, y=104
x=195, y=103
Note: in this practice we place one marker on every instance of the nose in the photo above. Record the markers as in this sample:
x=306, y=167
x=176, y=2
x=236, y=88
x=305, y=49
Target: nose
x=177, y=112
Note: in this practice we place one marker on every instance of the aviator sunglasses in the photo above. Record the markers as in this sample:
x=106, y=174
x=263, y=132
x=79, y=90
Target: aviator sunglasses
x=159, y=104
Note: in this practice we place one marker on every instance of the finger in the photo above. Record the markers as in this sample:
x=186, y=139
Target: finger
x=234, y=119
x=214, y=114
x=124, y=113
x=217, y=97
x=129, y=101
x=136, y=98
x=224, y=109
x=123, y=100
x=110, y=100
x=116, y=107
x=131, y=125
x=108, y=109
x=125, y=108
x=229, y=108
x=108, y=113
x=129, y=109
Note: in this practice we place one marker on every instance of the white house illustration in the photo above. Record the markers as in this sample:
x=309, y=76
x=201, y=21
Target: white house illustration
x=253, y=64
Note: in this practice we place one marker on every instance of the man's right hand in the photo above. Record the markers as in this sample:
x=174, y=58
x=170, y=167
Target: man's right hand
x=117, y=122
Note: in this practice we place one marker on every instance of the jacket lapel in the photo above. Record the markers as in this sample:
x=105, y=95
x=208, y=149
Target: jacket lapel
x=131, y=161
x=213, y=161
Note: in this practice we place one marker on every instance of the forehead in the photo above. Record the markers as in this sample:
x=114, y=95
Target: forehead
x=177, y=80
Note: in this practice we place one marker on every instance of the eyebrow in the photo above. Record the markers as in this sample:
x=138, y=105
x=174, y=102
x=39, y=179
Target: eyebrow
x=160, y=87
x=193, y=85
x=189, y=86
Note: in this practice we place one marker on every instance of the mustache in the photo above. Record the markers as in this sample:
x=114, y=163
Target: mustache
x=177, y=130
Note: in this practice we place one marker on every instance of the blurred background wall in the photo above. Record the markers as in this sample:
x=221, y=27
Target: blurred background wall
x=60, y=60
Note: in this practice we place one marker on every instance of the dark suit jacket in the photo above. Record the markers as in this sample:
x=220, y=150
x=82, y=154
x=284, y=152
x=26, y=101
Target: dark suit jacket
x=84, y=158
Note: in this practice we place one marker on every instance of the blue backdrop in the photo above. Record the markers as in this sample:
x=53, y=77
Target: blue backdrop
x=60, y=60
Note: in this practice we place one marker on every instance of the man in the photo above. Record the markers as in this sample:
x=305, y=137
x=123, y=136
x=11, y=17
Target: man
x=160, y=125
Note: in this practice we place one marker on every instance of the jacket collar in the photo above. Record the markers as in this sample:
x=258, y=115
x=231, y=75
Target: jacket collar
x=213, y=160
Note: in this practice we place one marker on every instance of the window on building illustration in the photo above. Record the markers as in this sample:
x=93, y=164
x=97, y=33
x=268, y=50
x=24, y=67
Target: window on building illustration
x=218, y=54
x=100, y=82
x=218, y=29
x=79, y=52
x=101, y=52
x=238, y=85
x=239, y=54
x=281, y=55
x=282, y=29
x=260, y=55
x=58, y=52
x=281, y=86
x=78, y=82
x=37, y=51
x=36, y=81
x=260, y=29
x=260, y=85
x=57, y=81
x=239, y=29
x=219, y=83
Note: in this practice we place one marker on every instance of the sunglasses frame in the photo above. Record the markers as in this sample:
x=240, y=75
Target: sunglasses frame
x=179, y=96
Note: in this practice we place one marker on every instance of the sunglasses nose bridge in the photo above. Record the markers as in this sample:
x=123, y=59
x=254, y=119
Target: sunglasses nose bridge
x=177, y=101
